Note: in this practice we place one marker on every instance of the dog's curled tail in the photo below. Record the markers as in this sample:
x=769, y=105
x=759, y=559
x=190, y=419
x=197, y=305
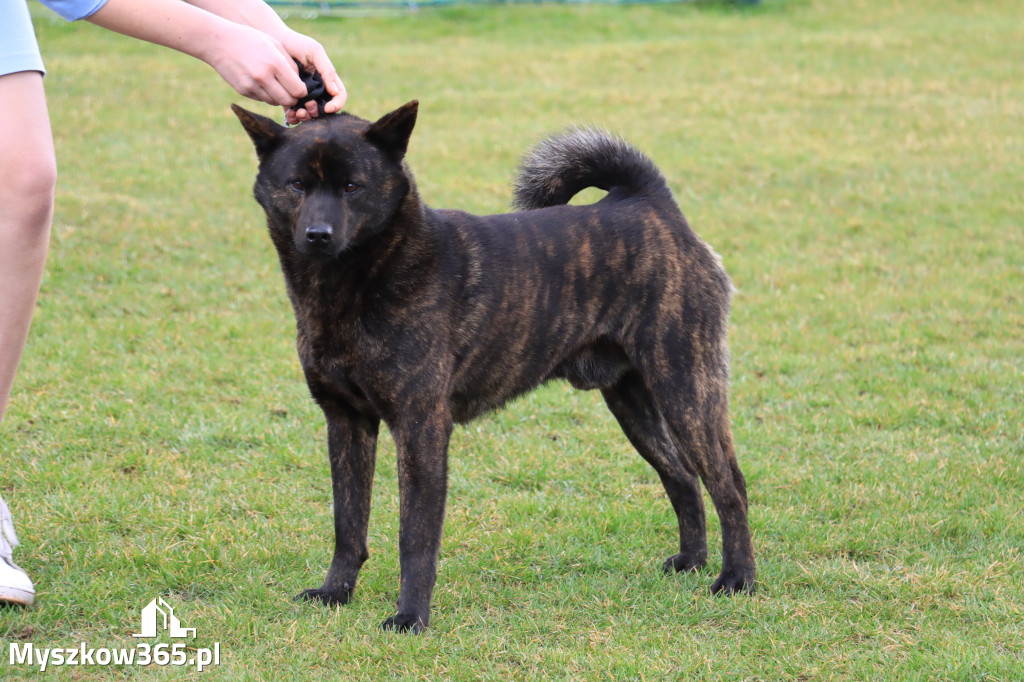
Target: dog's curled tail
x=558, y=168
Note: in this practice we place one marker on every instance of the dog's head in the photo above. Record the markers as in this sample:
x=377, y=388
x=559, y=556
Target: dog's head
x=330, y=183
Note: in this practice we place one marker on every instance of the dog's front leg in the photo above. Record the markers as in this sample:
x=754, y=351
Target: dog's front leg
x=422, y=446
x=352, y=445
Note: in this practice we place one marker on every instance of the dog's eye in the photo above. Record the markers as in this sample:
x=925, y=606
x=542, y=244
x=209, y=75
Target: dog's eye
x=351, y=187
x=297, y=185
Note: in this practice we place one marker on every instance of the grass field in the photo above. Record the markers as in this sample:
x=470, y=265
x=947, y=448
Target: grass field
x=858, y=166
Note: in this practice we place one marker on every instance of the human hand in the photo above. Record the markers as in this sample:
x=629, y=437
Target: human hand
x=256, y=65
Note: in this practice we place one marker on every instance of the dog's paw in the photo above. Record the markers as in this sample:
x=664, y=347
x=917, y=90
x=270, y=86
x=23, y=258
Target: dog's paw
x=680, y=563
x=327, y=597
x=734, y=582
x=405, y=623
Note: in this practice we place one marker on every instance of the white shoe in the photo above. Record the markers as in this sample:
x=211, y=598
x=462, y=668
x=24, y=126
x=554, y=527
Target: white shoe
x=15, y=585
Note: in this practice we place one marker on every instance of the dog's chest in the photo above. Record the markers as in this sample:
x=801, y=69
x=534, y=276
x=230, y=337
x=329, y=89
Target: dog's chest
x=331, y=380
x=330, y=363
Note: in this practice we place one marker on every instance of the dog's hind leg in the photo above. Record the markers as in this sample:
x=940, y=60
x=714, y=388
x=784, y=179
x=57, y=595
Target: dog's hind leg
x=422, y=445
x=696, y=411
x=352, y=444
x=645, y=427
x=728, y=489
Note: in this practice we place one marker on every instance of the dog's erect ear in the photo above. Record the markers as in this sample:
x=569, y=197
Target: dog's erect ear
x=265, y=134
x=392, y=131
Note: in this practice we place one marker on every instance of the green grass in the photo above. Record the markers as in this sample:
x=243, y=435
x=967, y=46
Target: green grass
x=858, y=166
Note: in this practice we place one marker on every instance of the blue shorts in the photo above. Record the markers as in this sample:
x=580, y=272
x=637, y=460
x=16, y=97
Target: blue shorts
x=19, y=50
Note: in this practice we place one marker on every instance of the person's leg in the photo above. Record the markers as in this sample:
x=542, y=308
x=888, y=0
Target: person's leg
x=28, y=175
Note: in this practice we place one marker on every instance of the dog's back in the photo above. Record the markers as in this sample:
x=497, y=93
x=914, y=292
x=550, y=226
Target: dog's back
x=575, y=292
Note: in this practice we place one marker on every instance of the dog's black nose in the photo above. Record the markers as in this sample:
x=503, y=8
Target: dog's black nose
x=319, y=234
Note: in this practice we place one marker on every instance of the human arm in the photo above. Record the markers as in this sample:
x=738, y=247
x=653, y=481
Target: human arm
x=251, y=58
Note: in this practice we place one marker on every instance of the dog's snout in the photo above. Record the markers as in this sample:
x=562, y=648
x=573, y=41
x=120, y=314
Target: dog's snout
x=319, y=240
x=320, y=234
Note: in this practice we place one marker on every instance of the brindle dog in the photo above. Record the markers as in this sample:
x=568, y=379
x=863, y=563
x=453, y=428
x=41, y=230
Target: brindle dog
x=424, y=318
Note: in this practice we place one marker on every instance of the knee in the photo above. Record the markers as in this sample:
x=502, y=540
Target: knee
x=26, y=195
x=43, y=180
x=35, y=181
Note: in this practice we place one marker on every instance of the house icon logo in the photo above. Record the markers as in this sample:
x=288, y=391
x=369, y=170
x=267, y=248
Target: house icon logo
x=159, y=614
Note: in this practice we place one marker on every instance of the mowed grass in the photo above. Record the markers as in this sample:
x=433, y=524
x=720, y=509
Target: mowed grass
x=857, y=165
